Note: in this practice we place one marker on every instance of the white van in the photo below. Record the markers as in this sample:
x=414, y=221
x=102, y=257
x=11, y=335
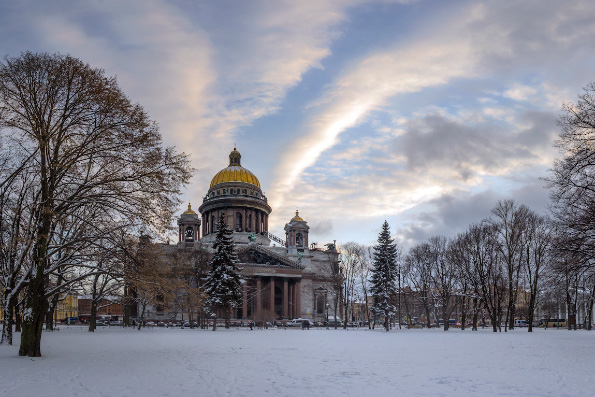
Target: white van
x=297, y=322
x=520, y=323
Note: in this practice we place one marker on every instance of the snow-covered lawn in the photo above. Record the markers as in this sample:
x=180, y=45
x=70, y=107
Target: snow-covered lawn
x=294, y=362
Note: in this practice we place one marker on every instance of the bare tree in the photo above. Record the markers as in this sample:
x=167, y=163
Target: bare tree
x=352, y=257
x=363, y=273
x=16, y=242
x=420, y=273
x=89, y=146
x=536, y=259
x=573, y=178
x=444, y=276
x=154, y=281
x=485, y=272
x=511, y=223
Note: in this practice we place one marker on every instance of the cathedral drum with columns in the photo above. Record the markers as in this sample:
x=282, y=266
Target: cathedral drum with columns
x=283, y=279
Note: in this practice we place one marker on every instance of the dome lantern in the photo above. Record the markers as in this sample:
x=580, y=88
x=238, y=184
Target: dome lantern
x=235, y=158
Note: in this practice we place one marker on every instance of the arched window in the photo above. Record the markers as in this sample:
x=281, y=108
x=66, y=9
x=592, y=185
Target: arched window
x=213, y=225
x=299, y=240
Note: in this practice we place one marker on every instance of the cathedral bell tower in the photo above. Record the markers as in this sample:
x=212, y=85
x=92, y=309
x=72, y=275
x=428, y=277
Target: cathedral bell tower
x=188, y=226
x=296, y=234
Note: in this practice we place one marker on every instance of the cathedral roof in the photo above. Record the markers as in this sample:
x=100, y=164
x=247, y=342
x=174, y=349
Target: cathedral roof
x=235, y=172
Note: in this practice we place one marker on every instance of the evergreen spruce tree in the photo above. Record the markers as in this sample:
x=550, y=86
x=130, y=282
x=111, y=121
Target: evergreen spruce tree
x=223, y=285
x=384, y=274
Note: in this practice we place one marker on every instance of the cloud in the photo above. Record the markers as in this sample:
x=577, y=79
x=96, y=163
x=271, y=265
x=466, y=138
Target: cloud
x=519, y=92
x=365, y=87
x=488, y=54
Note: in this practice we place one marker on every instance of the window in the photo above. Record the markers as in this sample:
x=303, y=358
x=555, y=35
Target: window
x=244, y=191
x=218, y=192
x=251, y=192
x=224, y=191
x=238, y=222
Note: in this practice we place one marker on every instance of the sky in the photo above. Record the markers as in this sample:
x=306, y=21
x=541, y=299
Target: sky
x=421, y=113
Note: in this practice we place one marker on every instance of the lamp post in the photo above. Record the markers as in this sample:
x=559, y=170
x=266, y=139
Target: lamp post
x=326, y=315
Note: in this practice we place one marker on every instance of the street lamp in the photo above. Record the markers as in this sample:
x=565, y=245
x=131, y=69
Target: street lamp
x=326, y=315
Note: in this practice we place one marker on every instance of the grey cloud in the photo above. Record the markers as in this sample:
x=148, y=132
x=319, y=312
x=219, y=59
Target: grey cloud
x=448, y=215
x=555, y=33
x=451, y=214
x=534, y=195
x=542, y=131
x=437, y=142
x=322, y=227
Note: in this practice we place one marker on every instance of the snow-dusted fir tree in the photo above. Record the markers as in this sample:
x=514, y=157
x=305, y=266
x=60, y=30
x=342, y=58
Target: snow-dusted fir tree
x=223, y=285
x=384, y=274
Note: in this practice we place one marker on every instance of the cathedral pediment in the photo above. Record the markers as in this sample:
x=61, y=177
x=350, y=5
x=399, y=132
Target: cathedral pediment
x=257, y=255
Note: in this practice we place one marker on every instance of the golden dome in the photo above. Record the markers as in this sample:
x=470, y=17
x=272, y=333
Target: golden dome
x=296, y=217
x=235, y=172
x=189, y=210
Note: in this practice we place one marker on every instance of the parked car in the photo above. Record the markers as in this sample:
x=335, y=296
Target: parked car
x=161, y=324
x=115, y=322
x=297, y=322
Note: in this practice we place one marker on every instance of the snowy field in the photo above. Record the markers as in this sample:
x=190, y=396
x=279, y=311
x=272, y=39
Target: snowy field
x=295, y=362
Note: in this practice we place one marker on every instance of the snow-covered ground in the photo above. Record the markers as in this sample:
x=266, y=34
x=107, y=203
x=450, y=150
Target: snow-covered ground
x=295, y=362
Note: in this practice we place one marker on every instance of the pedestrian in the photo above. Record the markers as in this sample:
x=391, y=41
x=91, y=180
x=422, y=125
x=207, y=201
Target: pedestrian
x=251, y=325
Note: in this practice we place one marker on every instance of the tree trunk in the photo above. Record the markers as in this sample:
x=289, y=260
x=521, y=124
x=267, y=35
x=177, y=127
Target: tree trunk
x=141, y=320
x=429, y=323
x=7, y=322
x=18, y=326
x=345, y=309
x=445, y=318
x=532, y=302
x=335, y=321
x=49, y=316
x=590, y=314
x=33, y=317
x=475, y=313
x=463, y=311
x=215, y=323
x=407, y=312
x=386, y=321
x=126, y=312
x=93, y=319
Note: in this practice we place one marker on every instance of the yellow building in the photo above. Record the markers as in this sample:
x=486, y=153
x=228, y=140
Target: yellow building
x=68, y=306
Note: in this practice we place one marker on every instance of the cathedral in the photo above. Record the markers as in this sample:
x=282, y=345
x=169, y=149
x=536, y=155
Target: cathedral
x=283, y=278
